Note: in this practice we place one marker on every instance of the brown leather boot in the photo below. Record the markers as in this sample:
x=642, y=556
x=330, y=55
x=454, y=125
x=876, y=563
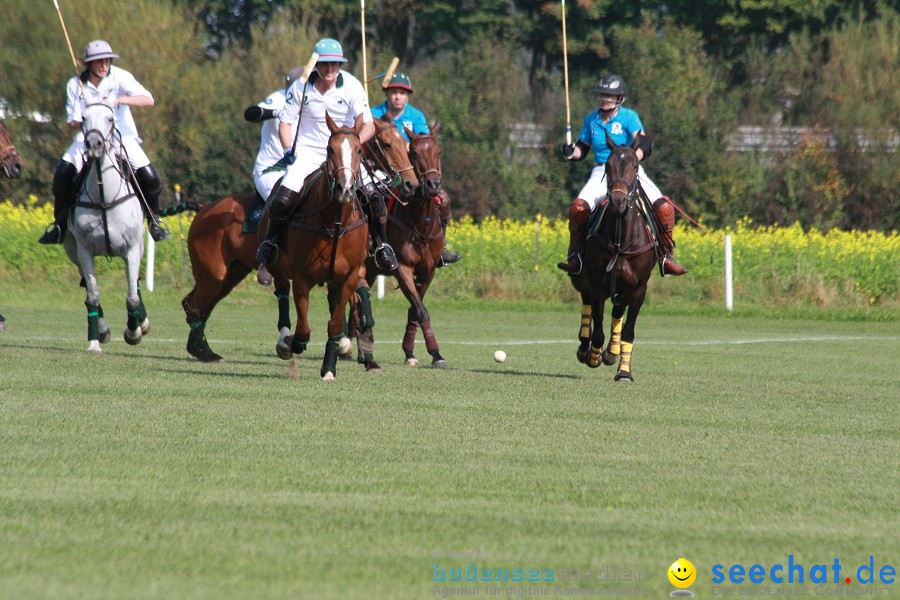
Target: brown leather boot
x=579, y=212
x=665, y=216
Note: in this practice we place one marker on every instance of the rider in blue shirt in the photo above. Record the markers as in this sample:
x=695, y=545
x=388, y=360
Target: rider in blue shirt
x=622, y=124
x=404, y=114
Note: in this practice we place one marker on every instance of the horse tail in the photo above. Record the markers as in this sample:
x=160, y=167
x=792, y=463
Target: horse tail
x=179, y=208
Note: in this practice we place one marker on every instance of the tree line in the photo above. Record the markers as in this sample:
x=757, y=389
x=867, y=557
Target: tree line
x=696, y=70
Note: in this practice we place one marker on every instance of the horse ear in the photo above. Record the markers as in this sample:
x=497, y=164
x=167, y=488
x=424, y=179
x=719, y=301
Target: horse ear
x=332, y=126
x=609, y=142
x=435, y=127
x=409, y=132
x=386, y=118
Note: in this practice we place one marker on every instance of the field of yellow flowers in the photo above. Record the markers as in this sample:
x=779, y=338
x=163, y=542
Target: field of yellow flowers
x=517, y=261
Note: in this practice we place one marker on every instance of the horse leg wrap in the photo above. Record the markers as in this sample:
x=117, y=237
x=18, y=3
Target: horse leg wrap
x=329, y=363
x=298, y=347
x=409, y=337
x=625, y=359
x=93, y=315
x=430, y=343
x=585, y=331
x=284, y=309
x=594, y=359
x=133, y=320
x=615, y=336
x=366, y=320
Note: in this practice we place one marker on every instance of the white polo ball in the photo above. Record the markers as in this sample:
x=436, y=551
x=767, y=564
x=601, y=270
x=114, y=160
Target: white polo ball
x=500, y=356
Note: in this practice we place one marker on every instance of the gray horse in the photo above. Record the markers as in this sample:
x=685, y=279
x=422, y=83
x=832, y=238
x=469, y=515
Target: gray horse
x=107, y=221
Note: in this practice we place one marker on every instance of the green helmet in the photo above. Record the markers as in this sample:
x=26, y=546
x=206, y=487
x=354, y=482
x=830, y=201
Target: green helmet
x=400, y=81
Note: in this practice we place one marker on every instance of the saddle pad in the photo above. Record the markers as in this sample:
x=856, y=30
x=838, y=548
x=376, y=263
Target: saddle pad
x=254, y=212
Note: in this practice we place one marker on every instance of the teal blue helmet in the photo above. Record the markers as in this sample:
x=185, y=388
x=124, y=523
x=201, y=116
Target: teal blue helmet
x=329, y=50
x=400, y=81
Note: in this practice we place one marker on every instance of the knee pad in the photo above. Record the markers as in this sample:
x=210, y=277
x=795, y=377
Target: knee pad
x=148, y=178
x=281, y=203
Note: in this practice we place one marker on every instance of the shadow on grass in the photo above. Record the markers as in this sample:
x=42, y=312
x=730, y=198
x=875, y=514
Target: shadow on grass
x=526, y=373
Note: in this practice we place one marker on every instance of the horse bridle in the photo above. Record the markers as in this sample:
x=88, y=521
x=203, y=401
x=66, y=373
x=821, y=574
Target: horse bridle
x=382, y=162
x=106, y=137
x=7, y=153
x=332, y=174
x=630, y=188
x=421, y=175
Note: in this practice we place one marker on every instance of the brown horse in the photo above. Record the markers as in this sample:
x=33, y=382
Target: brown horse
x=618, y=259
x=11, y=166
x=222, y=254
x=326, y=242
x=414, y=231
x=10, y=162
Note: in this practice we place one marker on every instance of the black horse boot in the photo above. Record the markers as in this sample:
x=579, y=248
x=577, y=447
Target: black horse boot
x=151, y=187
x=665, y=216
x=63, y=195
x=385, y=258
x=448, y=257
x=281, y=204
x=579, y=212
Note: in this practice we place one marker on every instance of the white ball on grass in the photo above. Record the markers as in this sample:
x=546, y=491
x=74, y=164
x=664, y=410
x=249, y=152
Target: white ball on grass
x=500, y=356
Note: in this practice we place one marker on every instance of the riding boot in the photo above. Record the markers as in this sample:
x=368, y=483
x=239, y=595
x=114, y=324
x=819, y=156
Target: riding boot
x=579, y=212
x=151, y=187
x=665, y=217
x=385, y=259
x=63, y=195
x=448, y=257
x=281, y=204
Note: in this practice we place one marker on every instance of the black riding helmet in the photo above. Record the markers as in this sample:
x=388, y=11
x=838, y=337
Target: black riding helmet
x=611, y=85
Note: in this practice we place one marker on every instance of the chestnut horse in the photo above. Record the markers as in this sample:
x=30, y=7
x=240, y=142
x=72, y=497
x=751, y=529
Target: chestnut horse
x=11, y=166
x=618, y=260
x=414, y=231
x=222, y=254
x=325, y=242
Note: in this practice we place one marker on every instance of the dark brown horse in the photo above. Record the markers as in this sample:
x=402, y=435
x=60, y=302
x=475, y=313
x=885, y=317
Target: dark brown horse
x=11, y=166
x=222, y=254
x=618, y=259
x=326, y=242
x=414, y=231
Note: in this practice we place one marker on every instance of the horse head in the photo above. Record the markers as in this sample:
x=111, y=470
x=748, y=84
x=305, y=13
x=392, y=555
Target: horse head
x=621, y=175
x=98, y=125
x=391, y=156
x=10, y=161
x=344, y=154
x=425, y=155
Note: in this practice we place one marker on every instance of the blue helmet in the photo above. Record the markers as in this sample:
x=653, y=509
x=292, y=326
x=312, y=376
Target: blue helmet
x=329, y=50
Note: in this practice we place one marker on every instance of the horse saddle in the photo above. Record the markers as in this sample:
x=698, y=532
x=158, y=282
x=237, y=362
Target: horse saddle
x=253, y=214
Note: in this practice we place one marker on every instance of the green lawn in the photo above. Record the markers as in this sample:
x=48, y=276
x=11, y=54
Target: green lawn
x=143, y=473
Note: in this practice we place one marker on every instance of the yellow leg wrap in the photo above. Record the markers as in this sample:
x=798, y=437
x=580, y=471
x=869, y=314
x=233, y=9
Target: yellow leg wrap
x=615, y=335
x=625, y=360
x=594, y=360
x=585, y=331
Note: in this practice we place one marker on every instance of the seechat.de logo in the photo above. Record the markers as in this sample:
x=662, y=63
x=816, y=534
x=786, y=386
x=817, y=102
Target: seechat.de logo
x=794, y=572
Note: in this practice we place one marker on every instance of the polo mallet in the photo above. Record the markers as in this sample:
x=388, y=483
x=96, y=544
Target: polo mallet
x=71, y=52
x=566, y=75
x=362, y=20
x=390, y=72
x=304, y=78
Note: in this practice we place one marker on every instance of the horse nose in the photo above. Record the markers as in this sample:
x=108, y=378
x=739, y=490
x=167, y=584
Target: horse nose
x=407, y=189
x=16, y=169
x=432, y=186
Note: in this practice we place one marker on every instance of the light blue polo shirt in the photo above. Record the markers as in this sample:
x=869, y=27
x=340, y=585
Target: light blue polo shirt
x=412, y=117
x=621, y=129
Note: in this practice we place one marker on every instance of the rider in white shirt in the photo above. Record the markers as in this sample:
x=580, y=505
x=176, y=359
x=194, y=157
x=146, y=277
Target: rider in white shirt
x=102, y=82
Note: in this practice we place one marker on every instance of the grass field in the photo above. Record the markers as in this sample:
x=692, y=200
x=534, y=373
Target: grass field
x=143, y=473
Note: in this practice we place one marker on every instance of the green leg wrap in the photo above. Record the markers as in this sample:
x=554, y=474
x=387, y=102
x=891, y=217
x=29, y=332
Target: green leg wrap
x=329, y=363
x=93, y=314
x=365, y=308
x=142, y=311
x=284, y=309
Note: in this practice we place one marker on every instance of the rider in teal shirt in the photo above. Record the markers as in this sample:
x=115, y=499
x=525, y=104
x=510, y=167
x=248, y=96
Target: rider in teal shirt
x=404, y=114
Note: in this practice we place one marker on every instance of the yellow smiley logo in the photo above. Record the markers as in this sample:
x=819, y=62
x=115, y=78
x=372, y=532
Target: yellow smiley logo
x=682, y=573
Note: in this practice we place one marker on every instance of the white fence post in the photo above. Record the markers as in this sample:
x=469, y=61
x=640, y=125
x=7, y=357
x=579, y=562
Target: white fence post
x=729, y=290
x=379, y=287
x=151, y=259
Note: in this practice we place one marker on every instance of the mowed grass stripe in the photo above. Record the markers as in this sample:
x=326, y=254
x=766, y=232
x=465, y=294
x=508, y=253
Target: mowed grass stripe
x=143, y=473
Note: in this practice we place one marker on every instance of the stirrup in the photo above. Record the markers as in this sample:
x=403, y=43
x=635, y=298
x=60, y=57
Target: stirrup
x=267, y=253
x=564, y=266
x=662, y=267
x=448, y=257
x=52, y=235
x=385, y=258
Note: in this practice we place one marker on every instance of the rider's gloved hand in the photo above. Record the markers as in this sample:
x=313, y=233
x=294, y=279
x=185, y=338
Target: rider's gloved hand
x=568, y=151
x=289, y=156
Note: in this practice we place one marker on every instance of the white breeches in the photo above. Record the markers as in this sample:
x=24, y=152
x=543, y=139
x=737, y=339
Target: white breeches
x=264, y=182
x=132, y=147
x=308, y=160
x=595, y=189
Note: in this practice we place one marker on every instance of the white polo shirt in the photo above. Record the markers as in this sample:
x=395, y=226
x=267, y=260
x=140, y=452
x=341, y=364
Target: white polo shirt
x=118, y=82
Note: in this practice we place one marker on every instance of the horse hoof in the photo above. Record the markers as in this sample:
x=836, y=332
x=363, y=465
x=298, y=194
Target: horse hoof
x=133, y=338
x=372, y=367
x=609, y=358
x=283, y=350
x=211, y=357
x=591, y=364
x=412, y=362
x=624, y=376
x=439, y=364
x=329, y=376
x=582, y=356
x=105, y=336
x=94, y=347
x=145, y=326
